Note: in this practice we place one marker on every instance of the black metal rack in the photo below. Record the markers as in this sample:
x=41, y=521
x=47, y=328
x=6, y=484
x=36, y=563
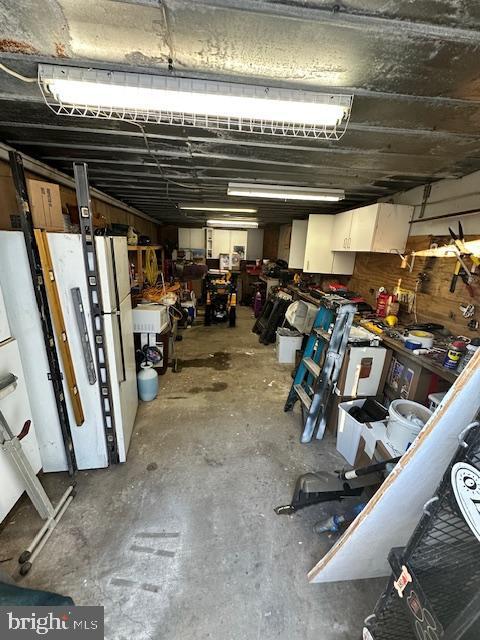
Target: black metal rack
x=434, y=590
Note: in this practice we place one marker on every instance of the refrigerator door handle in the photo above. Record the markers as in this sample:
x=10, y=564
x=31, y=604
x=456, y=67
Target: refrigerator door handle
x=119, y=320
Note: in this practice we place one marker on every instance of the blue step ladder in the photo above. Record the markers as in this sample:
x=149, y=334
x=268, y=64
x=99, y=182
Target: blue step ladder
x=322, y=359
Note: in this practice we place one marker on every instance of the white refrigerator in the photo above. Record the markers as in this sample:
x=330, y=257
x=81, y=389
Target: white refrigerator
x=67, y=257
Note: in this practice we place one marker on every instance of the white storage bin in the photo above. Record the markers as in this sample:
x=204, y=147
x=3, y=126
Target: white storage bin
x=435, y=399
x=350, y=430
x=287, y=343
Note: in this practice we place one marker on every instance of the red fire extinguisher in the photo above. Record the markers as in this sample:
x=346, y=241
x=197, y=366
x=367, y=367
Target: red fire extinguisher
x=383, y=300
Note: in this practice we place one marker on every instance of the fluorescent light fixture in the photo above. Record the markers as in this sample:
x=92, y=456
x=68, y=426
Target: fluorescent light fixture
x=245, y=224
x=280, y=192
x=200, y=207
x=192, y=102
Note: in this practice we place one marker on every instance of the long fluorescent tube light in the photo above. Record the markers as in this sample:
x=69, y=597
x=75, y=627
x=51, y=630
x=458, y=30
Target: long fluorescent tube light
x=212, y=208
x=192, y=102
x=280, y=192
x=233, y=223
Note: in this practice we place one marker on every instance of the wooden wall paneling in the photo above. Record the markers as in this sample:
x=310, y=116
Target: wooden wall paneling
x=435, y=303
x=270, y=241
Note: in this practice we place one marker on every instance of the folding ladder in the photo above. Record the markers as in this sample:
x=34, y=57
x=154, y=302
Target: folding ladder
x=321, y=362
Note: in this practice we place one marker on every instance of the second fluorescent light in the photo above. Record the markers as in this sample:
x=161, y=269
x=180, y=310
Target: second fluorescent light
x=201, y=207
x=281, y=192
x=245, y=224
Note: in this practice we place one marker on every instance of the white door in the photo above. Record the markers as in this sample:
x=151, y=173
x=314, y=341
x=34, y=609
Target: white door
x=123, y=378
x=298, y=241
x=364, y=222
x=112, y=258
x=318, y=254
x=4, y=326
x=221, y=242
x=341, y=231
x=16, y=409
x=238, y=238
x=24, y=319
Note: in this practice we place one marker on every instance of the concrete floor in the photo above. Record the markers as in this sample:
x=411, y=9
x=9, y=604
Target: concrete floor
x=181, y=541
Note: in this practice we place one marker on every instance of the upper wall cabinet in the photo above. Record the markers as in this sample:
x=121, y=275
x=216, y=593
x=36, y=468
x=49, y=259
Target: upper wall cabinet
x=378, y=228
x=319, y=257
x=191, y=238
x=298, y=240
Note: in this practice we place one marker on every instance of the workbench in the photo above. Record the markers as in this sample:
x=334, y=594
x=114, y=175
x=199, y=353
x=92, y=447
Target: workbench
x=395, y=345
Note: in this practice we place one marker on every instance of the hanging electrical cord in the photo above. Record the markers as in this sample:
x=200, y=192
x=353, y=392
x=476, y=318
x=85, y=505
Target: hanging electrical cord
x=16, y=75
x=151, y=266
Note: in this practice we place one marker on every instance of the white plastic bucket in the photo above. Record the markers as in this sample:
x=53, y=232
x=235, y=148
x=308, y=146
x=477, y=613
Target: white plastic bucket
x=406, y=420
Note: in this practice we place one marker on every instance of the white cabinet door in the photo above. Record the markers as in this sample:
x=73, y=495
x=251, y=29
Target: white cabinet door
x=341, y=231
x=221, y=242
x=343, y=262
x=318, y=254
x=298, y=241
x=362, y=232
x=393, y=226
x=197, y=239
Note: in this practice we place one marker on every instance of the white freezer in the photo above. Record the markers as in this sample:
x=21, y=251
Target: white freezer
x=16, y=409
x=123, y=374
x=24, y=319
x=112, y=258
x=67, y=257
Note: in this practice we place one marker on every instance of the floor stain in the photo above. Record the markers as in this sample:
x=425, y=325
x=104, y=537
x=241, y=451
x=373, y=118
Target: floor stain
x=220, y=360
x=215, y=387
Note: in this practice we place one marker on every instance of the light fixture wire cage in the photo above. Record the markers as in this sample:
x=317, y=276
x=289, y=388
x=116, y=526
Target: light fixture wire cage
x=49, y=73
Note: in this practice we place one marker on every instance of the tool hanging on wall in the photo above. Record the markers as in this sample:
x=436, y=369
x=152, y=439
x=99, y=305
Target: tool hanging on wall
x=83, y=331
x=55, y=373
x=59, y=323
x=95, y=299
x=10, y=445
x=461, y=269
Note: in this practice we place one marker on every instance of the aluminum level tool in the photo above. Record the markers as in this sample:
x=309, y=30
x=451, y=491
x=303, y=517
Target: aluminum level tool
x=10, y=444
x=83, y=331
x=95, y=300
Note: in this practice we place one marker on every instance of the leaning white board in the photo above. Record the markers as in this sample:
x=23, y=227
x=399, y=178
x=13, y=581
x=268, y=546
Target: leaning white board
x=393, y=513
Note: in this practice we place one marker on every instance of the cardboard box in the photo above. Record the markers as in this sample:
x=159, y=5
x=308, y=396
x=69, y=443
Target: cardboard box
x=46, y=205
x=9, y=215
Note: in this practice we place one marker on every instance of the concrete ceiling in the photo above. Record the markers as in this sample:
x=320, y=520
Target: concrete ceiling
x=413, y=67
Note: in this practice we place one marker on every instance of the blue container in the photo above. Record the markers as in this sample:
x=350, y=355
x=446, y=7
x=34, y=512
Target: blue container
x=147, y=381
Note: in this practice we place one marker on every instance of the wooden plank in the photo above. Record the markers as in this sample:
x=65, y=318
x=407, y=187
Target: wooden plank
x=59, y=323
x=390, y=517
